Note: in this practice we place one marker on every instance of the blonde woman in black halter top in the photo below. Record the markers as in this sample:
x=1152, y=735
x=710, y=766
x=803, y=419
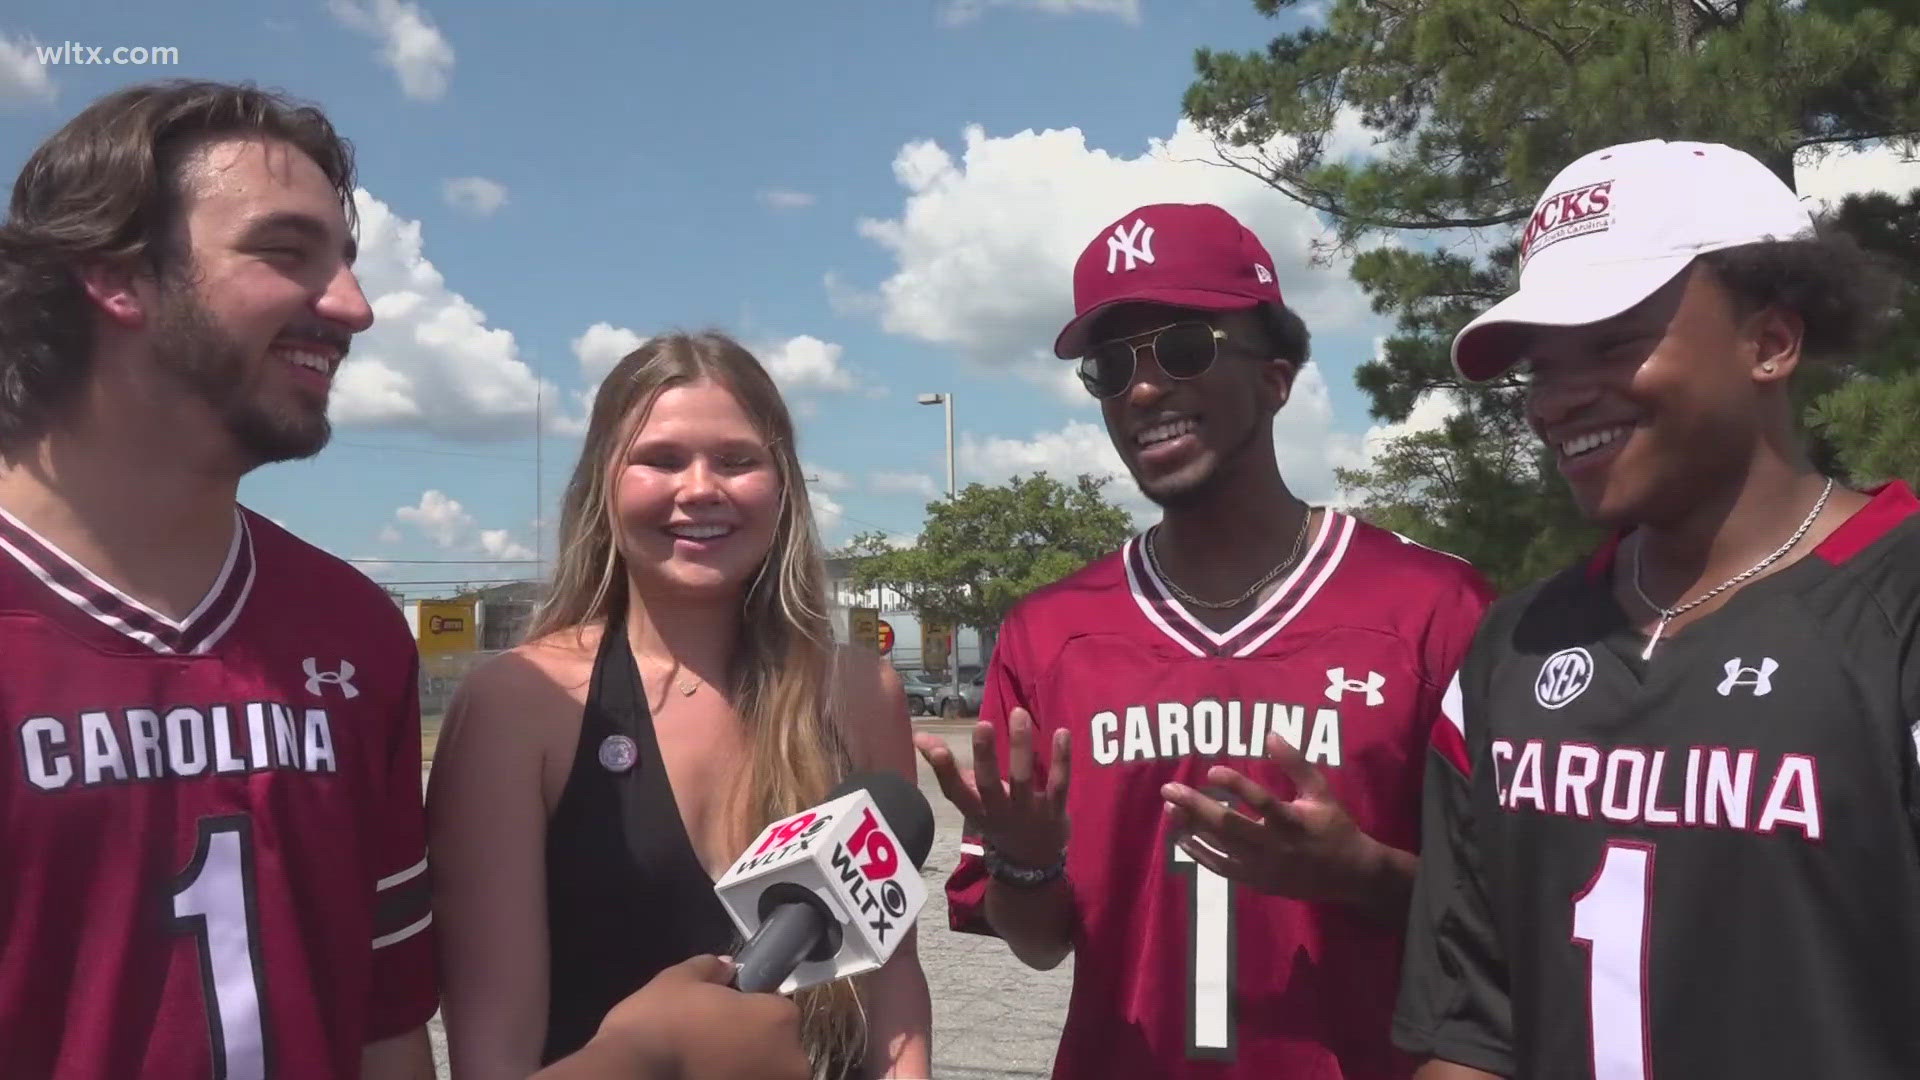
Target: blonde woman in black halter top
x=679, y=689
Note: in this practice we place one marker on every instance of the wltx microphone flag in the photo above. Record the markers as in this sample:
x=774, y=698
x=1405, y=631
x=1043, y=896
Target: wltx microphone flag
x=829, y=892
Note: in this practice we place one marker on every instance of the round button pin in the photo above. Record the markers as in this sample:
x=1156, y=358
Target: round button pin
x=618, y=753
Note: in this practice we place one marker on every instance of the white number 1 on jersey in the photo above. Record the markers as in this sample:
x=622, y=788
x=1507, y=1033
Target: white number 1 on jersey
x=1209, y=961
x=213, y=901
x=1610, y=920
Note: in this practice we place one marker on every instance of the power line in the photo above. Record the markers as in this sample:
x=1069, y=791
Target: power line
x=447, y=562
x=870, y=524
x=460, y=581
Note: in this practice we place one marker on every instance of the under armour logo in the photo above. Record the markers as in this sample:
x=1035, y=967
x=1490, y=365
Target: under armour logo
x=1760, y=682
x=1261, y=272
x=342, y=678
x=1135, y=243
x=1338, y=684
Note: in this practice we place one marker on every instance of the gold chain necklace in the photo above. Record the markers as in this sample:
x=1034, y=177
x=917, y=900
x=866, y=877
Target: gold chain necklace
x=688, y=687
x=1153, y=560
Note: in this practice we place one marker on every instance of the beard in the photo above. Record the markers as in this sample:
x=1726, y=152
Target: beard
x=191, y=346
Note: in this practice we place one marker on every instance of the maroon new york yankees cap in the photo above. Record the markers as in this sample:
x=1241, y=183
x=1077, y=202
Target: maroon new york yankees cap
x=1192, y=255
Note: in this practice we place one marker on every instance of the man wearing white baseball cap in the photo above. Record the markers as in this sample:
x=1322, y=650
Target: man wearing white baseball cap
x=1677, y=831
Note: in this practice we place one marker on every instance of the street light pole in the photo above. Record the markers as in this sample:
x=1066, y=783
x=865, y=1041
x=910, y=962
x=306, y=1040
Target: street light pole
x=953, y=633
x=952, y=492
x=946, y=400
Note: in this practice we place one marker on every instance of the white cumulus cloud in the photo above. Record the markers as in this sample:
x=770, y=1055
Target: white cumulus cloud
x=500, y=544
x=601, y=346
x=441, y=519
x=1076, y=448
x=985, y=242
x=1846, y=170
x=430, y=363
x=807, y=363
x=438, y=518
x=1430, y=413
x=900, y=483
x=474, y=195
x=798, y=364
x=23, y=77
x=827, y=513
x=410, y=43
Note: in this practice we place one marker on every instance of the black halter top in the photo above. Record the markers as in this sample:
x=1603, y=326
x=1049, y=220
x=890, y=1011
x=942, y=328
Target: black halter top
x=627, y=896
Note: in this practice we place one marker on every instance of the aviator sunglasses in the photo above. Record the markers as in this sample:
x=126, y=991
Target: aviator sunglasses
x=1184, y=350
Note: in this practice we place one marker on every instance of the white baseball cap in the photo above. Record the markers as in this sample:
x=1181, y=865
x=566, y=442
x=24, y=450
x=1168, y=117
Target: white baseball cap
x=1618, y=224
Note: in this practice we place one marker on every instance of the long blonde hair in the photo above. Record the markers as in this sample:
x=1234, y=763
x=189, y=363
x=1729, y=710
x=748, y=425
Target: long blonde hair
x=781, y=681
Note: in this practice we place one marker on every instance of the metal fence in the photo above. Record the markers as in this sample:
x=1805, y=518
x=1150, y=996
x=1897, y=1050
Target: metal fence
x=440, y=676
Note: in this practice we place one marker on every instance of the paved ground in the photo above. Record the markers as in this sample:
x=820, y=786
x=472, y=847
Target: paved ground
x=993, y=1017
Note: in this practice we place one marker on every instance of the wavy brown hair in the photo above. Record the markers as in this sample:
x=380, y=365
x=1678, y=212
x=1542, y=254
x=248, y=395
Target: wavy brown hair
x=781, y=679
x=108, y=187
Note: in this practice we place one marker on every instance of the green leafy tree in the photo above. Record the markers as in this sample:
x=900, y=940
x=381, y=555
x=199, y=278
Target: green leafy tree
x=1474, y=106
x=1455, y=490
x=1870, y=416
x=984, y=550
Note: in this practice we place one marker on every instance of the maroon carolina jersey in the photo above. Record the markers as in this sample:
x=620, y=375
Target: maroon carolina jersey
x=1179, y=972
x=212, y=845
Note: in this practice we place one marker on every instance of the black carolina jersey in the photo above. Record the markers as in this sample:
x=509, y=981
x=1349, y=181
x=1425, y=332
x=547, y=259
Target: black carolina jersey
x=1702, y=865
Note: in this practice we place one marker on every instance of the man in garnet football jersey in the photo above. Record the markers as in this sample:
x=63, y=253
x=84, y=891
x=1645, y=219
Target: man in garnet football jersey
x=1242, y=695
x=212, y=855
x=1677, y=832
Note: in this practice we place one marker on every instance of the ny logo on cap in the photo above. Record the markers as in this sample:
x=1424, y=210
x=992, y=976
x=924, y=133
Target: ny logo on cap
x=1135, y=243
x=1338, y=684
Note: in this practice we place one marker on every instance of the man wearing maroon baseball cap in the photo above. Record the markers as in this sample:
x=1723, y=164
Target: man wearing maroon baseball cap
x=1242, y=695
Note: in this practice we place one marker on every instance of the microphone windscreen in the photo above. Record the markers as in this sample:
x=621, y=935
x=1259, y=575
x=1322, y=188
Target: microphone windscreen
x=899, y=801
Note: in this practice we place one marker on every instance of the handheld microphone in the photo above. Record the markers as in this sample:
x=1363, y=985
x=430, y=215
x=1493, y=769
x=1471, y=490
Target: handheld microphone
x=827, y=893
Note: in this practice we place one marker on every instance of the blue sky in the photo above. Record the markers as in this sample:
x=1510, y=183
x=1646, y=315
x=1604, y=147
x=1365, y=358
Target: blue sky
x=882, y=198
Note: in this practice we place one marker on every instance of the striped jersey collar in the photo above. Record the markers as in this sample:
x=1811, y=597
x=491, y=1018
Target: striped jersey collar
x=81, y=588
x=1282, y=605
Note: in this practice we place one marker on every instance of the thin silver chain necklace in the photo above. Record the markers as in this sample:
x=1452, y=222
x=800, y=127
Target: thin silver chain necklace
x=1153, y=560
x=1667, y=614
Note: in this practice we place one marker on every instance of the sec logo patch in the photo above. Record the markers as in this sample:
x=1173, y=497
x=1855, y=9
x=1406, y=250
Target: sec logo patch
x=1563, y=677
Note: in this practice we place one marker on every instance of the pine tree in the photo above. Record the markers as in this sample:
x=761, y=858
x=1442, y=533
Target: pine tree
x=1474, y=106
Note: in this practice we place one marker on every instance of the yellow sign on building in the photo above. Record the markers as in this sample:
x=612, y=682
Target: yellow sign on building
x=936, y=643
x=446, y=627
x=863, y=626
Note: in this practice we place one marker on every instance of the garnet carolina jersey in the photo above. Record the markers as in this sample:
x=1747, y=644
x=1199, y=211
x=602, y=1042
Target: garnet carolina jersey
x=212, y=846
x=1179, y=972
x=1700, y=865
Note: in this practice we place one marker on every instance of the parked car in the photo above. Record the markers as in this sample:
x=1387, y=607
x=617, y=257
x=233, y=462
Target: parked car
x=921, y=690
x=947, y=705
